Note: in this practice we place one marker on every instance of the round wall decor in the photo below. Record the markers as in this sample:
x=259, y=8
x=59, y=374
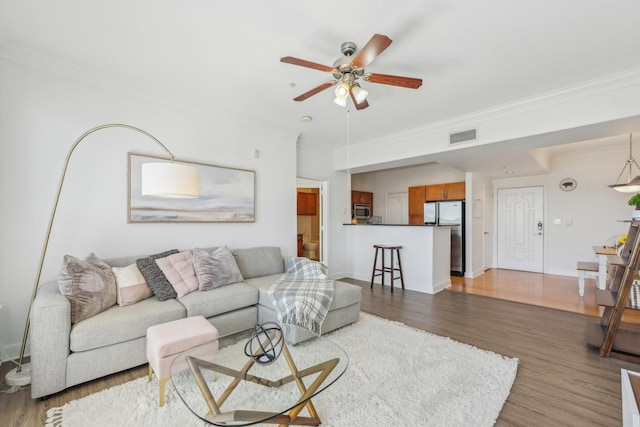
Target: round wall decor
x=568, y=184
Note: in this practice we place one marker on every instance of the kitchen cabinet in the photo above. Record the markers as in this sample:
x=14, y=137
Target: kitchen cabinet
x=307, y=203
x=416, y=204
x=362, y=197
x=454, y=191
x=432, y=193
x=448, y=191
x=300, y=245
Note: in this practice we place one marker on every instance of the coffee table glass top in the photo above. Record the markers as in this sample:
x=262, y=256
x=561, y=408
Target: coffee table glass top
x=223, y=386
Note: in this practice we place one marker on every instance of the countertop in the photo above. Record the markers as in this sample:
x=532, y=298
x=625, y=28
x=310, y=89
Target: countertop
x=400, y=225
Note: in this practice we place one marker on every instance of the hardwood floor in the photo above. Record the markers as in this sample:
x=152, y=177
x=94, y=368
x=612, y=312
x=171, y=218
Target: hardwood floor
x=545, y=290
x=560, y=380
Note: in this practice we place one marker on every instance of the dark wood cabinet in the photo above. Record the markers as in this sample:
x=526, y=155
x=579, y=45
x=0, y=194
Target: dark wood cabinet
x=454, y=191
x=365, y=197
x=300, y=245
x=417, y=198
x=307, y=203
x=432, y=193
x=448, y=191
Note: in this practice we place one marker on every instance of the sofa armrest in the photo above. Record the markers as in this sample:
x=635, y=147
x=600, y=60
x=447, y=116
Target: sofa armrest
x=49, y=331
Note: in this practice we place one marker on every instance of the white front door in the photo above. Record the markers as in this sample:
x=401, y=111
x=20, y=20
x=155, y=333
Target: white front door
x=520, y=229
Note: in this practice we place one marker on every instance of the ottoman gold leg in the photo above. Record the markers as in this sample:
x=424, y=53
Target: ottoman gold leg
x=163, y=382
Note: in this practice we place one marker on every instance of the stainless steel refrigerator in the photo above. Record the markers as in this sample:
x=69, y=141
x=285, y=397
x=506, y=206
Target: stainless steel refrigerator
x=450, y=214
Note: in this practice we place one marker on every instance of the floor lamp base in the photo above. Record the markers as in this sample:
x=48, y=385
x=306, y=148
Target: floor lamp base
x=19, y=379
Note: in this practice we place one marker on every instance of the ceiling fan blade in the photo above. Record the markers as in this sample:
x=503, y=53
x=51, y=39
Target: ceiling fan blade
x=364, y=104
x=315, y=90
x=305, y=63
x=386, y=79
x=374, y=47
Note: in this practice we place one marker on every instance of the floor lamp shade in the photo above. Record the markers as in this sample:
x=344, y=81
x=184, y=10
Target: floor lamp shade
x=169, y=180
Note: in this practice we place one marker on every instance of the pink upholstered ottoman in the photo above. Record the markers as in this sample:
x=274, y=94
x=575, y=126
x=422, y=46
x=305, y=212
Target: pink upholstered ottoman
x=166, y=340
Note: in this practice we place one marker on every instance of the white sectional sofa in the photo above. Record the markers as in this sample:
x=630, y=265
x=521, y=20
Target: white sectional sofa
x=65, y=354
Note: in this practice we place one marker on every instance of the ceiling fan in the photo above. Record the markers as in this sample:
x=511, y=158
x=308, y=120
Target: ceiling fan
x=348, y=69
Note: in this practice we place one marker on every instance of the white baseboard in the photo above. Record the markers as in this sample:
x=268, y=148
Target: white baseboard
x=12, y=351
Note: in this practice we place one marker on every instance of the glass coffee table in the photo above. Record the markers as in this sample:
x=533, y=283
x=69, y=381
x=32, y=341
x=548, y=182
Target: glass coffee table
x=256, y=377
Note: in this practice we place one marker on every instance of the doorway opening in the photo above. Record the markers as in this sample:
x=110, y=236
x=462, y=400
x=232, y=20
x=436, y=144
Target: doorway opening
x=311, y=236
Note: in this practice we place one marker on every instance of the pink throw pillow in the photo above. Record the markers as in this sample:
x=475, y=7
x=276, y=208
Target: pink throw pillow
x=179, y=271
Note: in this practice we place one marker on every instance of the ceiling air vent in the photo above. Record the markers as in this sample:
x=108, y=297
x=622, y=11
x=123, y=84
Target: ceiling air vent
x=463, y=136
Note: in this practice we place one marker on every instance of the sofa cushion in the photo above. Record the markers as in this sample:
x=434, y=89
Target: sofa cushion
x=344, y=294
x=131, y=285
x=256, y=262
x=155, y=277
x=90, y=286
x=120, y=324
x=215, y=270
x=178, y=269
x=220, y=300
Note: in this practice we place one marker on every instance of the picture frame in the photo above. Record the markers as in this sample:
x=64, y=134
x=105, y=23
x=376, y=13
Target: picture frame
x=226, y=195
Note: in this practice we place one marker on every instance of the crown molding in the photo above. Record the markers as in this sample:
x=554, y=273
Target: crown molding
x=610, y=83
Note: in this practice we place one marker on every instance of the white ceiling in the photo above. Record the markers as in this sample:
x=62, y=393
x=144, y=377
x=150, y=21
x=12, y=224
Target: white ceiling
x=471, y=55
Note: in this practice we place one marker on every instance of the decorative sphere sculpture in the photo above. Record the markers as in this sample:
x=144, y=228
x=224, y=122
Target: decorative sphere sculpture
x=265, y=344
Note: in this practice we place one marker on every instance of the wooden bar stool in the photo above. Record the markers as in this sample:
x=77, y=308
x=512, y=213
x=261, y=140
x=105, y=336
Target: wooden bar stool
x=387, y=269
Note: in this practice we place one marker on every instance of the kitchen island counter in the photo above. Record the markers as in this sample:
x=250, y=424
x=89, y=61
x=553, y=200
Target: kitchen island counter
x=425, y=253
x=398, y=225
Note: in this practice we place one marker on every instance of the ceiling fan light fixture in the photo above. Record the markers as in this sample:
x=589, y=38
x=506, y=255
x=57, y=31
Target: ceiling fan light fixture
x=351, y=67
x=342, y=90
x=340, y=101
x=358, y=93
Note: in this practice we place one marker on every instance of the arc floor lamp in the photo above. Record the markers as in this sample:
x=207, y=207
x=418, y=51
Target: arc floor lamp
x=166, y=180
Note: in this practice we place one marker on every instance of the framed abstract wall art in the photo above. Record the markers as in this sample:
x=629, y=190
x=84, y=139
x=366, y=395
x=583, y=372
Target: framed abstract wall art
x=226, y=195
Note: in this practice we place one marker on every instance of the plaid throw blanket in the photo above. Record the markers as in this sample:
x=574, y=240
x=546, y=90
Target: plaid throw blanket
x=303, y=294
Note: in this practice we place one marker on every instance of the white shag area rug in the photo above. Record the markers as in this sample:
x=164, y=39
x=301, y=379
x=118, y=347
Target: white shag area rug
x=397, y=376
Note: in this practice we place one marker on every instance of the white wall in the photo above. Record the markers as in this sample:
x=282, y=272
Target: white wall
x=41, y=115
x=474, y=224
x=317, y=165
x=590, y=214
x=594, y=102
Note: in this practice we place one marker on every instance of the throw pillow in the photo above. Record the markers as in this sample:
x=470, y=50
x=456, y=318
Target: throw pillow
x=178, y=269
x=217, y=269
x=90, y=286
x=155, y=277
x=131, y=285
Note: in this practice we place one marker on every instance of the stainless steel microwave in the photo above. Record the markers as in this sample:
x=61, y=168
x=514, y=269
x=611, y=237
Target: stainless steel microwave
x=361, y=210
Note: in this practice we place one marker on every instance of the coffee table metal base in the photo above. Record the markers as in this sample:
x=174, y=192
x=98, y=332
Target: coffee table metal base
x=291, y=418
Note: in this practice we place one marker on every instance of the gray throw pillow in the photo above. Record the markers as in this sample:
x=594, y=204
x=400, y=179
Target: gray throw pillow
x=155, y=278
x=215, y=270
x=90, y=286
